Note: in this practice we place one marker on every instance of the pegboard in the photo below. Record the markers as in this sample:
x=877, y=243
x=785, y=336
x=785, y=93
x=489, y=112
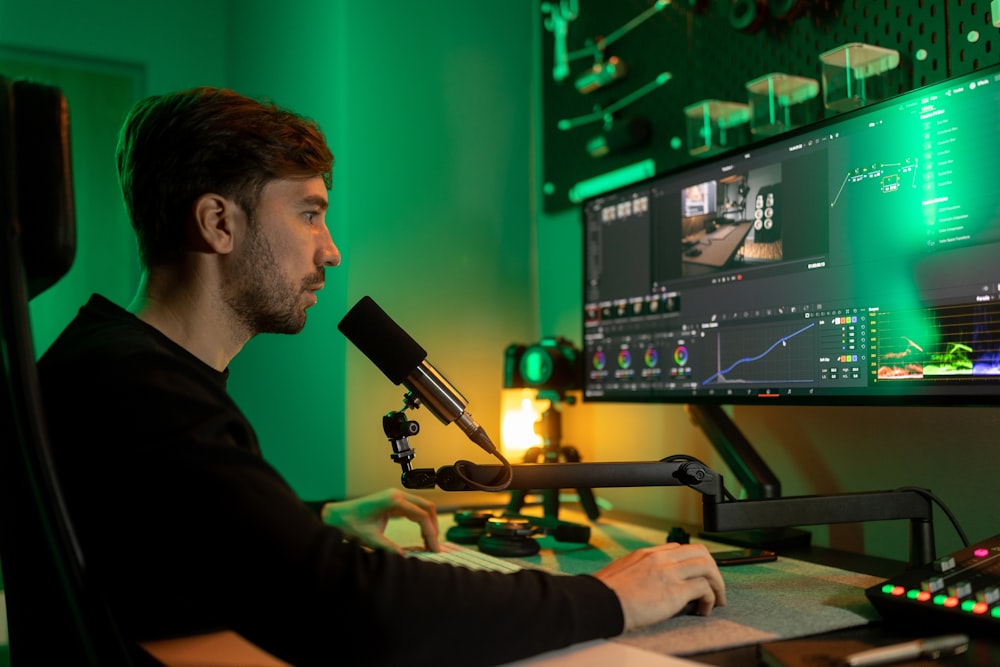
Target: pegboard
x=710, y=49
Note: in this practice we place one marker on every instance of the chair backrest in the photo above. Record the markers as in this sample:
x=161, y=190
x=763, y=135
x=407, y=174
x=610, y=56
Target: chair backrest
x=54, y=618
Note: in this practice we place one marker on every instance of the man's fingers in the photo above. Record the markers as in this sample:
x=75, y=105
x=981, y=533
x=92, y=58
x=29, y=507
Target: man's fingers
x=698, y=565
x=657, y=582
x=424, y=514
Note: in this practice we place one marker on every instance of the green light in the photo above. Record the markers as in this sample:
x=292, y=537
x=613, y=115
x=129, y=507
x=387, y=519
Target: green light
x=887, y=589
x=612, y=179
x=912, y=593
x=939, y=599
x=536, y=366
x=967, y=605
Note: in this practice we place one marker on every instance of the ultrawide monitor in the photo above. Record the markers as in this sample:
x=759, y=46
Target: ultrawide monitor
x=854, y=261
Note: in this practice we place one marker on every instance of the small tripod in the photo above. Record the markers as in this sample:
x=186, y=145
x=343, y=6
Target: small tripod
x=552, y=451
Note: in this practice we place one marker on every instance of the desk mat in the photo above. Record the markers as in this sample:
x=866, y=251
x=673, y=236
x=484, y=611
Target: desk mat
x=784, y=599
x=781, y=600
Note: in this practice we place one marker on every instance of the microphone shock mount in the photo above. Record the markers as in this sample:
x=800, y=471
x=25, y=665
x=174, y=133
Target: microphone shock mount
x=398, y=429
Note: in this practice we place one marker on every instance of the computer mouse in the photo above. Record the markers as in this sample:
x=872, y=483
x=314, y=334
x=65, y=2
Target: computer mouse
x=693, y=252
x=690, y=609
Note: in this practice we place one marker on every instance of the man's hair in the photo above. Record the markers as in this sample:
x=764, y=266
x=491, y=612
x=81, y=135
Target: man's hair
x=174, y=148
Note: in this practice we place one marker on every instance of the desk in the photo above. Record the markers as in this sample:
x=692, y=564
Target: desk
x=717, y=248
x=805, y=593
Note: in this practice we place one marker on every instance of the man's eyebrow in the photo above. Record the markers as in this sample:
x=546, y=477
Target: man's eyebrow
x=314, y=200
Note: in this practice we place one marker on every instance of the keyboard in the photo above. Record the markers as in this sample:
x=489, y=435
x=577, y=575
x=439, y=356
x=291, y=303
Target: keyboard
x=473, y=559
x=720, y=233
x=960, y=590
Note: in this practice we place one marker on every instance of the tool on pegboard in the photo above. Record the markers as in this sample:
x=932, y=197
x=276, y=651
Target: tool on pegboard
x=607, y=113
x=606, y=69
x=560, y=14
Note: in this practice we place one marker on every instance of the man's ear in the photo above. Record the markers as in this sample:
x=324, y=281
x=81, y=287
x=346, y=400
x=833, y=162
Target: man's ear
x=215, y=221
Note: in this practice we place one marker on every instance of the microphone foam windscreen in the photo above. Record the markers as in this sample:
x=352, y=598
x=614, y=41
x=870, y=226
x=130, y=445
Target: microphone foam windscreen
x=382, y=340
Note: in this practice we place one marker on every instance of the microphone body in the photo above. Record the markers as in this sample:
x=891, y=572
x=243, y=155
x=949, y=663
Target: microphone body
x=404, y=362
x=442, y=399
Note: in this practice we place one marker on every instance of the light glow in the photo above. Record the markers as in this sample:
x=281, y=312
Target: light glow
x=520, y=411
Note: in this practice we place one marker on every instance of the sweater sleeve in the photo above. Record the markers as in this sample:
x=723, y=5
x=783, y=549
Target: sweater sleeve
x=299, y=589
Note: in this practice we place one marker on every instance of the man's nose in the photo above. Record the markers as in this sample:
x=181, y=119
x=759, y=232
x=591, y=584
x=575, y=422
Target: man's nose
x=328, y=253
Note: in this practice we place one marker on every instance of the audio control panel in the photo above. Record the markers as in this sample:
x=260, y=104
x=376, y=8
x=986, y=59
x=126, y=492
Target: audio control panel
x=960, y=590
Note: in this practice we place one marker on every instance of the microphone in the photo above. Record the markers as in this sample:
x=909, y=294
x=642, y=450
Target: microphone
x=404, y=362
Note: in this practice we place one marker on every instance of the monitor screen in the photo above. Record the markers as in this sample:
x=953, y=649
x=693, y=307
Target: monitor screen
x=853, y=261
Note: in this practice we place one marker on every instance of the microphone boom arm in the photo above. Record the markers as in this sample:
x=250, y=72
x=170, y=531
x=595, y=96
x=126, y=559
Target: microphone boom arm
x=718, y=513
x=576, y=474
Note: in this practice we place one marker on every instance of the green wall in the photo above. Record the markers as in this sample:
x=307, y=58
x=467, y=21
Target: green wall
x=427, y=106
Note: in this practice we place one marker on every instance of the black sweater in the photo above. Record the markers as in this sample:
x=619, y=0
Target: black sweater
x=188, y=529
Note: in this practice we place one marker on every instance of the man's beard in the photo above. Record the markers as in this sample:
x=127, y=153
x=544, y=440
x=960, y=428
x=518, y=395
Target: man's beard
x=261, y=295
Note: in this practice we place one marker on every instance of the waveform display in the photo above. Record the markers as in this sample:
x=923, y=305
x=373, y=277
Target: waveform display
x=952, y=342
x=766, y=355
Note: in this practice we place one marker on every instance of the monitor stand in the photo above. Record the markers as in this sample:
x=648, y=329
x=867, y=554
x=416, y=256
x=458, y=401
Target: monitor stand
x=753, y=473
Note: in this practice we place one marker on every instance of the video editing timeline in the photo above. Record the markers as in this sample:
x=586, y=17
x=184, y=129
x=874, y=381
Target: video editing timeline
x=853, y=261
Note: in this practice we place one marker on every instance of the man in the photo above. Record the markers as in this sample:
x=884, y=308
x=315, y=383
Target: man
x=183, y=523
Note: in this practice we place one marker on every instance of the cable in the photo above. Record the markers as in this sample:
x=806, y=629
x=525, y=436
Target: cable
x=500, y=486
x=944, y=508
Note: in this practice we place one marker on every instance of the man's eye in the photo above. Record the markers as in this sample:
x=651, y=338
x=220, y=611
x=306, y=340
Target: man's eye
x=311, y=215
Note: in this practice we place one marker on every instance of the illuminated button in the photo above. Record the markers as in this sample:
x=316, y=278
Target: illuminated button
x=981, y=552
x=967, y=605
x=944, y=564
x=940, y=599
x=950, y=602
x=887, y=589
x=980, y=608
x=898, y=591
x=923, y=596
x=912, y=594
x=989, y=595
x=995, y=612
x=933, y=585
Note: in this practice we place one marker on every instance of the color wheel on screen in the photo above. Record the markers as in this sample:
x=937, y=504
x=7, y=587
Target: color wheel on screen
x=599, y=360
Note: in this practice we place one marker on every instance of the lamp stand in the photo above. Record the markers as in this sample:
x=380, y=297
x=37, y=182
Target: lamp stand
x=553, y=451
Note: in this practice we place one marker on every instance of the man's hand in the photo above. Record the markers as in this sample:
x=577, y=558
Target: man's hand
x=656, y=583
x=365, y=518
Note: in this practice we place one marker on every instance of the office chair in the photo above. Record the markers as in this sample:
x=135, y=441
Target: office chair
x=55, y=617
